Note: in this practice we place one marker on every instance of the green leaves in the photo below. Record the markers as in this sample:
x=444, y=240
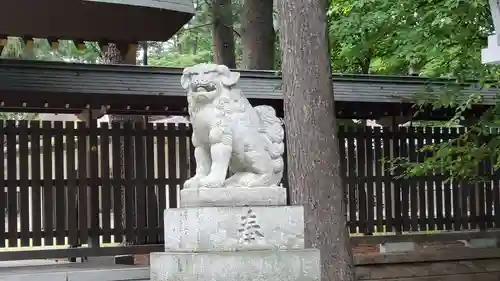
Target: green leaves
x=433, y=38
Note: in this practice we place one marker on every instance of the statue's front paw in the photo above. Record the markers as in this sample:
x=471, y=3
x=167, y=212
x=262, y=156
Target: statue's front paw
x=192, y=183
x=211, y=182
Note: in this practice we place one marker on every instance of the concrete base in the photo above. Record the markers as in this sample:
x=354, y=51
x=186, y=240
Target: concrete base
x=232, y=197
x=289, y=265
x=397, y=247
x=482, y=243
x=234, y=228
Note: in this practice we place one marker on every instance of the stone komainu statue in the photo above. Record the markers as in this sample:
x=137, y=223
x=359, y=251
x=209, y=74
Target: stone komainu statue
x=229, y=134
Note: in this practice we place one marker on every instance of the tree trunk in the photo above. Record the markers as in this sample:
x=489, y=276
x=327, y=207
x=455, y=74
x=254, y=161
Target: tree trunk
x=222, y=33
x=116, y=55
x=312, y=146
x=257, y=34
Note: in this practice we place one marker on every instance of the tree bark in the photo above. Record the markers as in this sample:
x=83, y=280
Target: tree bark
x=312, y=145
x=257, y=34
x=222, y=33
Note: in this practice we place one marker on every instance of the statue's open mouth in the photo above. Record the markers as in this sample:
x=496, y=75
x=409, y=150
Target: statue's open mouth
x=203, y=87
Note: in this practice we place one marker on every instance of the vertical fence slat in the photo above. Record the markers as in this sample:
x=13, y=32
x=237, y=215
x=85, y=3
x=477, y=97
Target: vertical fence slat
x=24, y=186
x=429, y=183
x=3, y=198
x=152, y=200
x=496, y=190
x=82, y=183
x=388, y=182
x=370, y=195
x=118, y=184
x=448, y=218
x=183, y=153
x=413, y=186
x=440, y=224
x=456, y=190
x=93, y=186
x=405, y=184
x=106, y=184
x=60, y=198
x=396, y=150
x=361, y=177
x=129, y=183
x=379, y=188
x=48, y=195
x=192, y=159
x=162, y=179
x=481, y=189
x=12, y=186
x=172, y=164
x=489, y=193
x=140, y=187
x=422, y=189
x=36, y=188
x=71, y=187
x=343, y=164
x=464, y=216
x=351, y=148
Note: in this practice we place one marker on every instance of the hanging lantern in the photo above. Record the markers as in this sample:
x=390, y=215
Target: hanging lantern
x=491, y=54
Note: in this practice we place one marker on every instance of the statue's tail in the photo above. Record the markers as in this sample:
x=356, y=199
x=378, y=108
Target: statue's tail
x=272, y=130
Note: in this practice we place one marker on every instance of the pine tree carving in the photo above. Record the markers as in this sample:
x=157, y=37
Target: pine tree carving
x=249, y=229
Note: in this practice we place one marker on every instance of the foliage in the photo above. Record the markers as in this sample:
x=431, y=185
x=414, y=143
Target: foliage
x=428, y=38
x=18, y=116
x=431, y=38
x=471, y=147
x=66, y=51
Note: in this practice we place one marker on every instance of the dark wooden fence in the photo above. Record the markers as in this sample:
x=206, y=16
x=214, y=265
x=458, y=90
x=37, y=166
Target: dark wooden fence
x=381, y=201
x=64, y=184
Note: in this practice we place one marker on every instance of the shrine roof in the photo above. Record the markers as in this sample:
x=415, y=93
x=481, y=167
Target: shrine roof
x=95, y=20
x=69, y=87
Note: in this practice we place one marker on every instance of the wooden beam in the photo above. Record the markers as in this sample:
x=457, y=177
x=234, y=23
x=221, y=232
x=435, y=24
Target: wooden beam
x=80, y=44
x=422, y=237
x=130, y=54
x=80, y=252
x=432, y=256
x=53, y=43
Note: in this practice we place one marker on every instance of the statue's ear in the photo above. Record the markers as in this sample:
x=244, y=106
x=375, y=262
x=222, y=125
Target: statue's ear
x=230, y=80
x=185, y=79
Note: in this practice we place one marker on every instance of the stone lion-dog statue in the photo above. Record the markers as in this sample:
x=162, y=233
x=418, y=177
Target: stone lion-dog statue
x=229, y=135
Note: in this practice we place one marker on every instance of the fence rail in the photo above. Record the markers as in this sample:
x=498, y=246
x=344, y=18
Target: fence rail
x=66, y=183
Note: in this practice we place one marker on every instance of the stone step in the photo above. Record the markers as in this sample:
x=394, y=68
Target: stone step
x=234, y=228
x=30, y=270
x=268, y=265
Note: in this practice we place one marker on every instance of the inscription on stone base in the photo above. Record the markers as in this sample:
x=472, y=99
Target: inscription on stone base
x=234, y=228
x=233, y=197
x=288, y=265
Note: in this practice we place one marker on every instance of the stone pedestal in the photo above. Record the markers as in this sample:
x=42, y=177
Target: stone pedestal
x=255, y=236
